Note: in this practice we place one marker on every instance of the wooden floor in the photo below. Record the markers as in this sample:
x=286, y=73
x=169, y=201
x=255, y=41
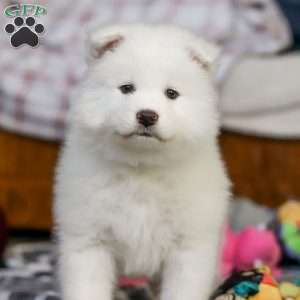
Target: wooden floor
x=265, y=170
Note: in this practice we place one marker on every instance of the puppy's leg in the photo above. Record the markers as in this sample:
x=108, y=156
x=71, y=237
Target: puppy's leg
x=86, y=273
x=189, y=274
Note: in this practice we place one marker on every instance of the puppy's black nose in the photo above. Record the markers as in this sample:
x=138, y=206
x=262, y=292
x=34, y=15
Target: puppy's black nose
x=147, y=117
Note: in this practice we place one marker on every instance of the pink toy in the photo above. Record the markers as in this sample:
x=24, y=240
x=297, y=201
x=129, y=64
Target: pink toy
x=249, y=248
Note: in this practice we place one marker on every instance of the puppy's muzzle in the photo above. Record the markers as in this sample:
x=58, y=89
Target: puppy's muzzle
x=147, y=117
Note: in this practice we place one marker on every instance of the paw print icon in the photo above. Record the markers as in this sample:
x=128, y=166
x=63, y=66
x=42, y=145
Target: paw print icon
x=24, y=32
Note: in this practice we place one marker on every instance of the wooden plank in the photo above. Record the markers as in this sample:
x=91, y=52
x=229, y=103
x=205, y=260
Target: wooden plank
x=26, y=175
x=266, y=170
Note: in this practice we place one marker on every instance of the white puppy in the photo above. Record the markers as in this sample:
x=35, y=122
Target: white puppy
x=141, y=189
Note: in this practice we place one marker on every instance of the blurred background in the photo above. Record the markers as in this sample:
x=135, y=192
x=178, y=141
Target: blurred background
x=258, y=80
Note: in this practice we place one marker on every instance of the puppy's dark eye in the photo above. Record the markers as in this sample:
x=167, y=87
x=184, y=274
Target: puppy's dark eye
x=171, y=94
x=127, y=88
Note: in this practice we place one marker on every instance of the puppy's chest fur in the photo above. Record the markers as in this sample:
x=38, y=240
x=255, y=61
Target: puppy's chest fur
x=139, y=223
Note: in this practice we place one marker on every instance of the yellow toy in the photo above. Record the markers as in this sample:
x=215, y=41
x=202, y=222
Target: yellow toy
x=289, y=291
x=268, y=287
x=288, y=230
x=289, y=212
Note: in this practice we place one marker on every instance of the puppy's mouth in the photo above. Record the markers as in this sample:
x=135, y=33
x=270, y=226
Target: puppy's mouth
x=144, y=133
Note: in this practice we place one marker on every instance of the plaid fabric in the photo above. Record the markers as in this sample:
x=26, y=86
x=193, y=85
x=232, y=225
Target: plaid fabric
x=36, y=85
x=30, y=275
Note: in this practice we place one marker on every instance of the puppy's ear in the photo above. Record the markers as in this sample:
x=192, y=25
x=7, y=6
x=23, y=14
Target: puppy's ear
x=204, y=54
x=103, y=41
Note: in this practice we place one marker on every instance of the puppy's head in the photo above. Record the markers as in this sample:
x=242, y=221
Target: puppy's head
x=148, y=95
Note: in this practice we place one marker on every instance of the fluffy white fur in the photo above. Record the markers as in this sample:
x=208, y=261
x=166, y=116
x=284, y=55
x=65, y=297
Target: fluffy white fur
x=140, y=205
